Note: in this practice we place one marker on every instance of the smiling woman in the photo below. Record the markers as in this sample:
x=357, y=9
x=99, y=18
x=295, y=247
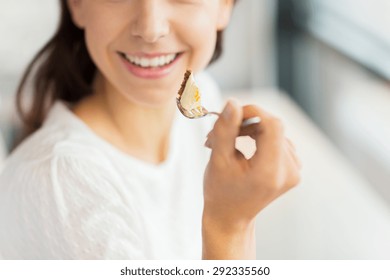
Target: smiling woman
x=110, y=169
x=67, y=62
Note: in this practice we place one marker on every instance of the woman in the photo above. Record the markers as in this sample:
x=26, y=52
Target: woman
x=110, y=169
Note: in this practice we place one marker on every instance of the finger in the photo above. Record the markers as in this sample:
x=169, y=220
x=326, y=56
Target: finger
x=249, y=112
x=240, y=155
x=294, y=176
x=291, y=144
x=253, y=111
x=293, y=154
x=226, y=129
x=268, y=134
x=250, y=130
x=207, y=143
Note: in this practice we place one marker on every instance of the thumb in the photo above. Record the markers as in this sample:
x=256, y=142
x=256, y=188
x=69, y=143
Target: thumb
x=222, y=138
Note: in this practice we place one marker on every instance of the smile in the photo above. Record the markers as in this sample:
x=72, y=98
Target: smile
x=150, y=62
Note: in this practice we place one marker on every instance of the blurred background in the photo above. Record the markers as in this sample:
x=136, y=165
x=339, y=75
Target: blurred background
x=324, y=66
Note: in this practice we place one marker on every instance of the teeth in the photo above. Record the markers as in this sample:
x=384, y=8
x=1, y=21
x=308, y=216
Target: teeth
x=161, y=61
x=144, y=62
x=155, y=62
x=151, y=62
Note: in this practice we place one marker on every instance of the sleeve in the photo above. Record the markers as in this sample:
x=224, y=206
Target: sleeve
x=91, y=216
x=2, y=150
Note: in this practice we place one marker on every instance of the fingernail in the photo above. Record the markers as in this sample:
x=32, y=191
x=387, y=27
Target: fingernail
x=227, y=111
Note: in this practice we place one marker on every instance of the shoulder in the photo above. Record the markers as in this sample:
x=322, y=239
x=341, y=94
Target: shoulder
x=77, y=198
x=63, y=147
x=51, y=157
x=2, y=151
x=62, y=177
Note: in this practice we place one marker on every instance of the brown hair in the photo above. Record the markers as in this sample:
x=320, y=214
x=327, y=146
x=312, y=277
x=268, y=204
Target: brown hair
x=62, y=70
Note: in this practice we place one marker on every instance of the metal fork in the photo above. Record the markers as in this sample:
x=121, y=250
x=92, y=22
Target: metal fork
x=202, y=112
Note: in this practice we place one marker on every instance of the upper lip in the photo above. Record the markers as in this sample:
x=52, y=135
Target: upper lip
x=148, y=55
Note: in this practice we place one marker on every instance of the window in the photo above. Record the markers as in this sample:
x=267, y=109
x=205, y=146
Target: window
x=357, y=28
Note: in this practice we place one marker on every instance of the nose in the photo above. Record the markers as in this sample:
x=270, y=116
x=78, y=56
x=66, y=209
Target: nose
x=152, y=22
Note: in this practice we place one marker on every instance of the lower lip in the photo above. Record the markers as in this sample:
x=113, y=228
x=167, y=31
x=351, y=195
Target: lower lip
x=152, y=72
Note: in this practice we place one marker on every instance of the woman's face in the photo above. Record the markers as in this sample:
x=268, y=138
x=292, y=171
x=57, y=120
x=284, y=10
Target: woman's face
x=143, y=47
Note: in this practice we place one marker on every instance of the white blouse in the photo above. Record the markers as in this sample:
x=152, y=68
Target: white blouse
x=2, y=150
x=65, y=193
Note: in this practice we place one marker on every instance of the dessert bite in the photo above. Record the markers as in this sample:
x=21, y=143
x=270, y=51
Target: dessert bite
x=189, y=97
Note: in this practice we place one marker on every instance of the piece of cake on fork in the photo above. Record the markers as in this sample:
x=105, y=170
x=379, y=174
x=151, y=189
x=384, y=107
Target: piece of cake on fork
x=189, y=95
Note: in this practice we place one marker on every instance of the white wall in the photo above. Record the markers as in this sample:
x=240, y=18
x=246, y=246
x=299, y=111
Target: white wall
x=25, y=26
x=248, y=60
x=358, y=28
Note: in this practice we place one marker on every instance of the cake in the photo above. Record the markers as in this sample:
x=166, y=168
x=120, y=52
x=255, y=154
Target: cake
x=189, y=95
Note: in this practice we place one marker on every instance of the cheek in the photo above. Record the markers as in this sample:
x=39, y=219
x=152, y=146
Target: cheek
x=201, y=41
x=203, y=51
x=98, y=37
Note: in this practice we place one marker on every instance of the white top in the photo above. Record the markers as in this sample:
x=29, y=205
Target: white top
x=2, y=150
x=65, y=193
x=2, y=142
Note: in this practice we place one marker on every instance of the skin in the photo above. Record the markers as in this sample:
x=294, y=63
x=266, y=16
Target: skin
x=123, y=105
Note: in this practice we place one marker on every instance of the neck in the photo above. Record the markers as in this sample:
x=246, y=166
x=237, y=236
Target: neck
x=138, y=130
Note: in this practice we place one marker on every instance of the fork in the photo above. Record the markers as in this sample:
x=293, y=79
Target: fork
x=203, y=112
